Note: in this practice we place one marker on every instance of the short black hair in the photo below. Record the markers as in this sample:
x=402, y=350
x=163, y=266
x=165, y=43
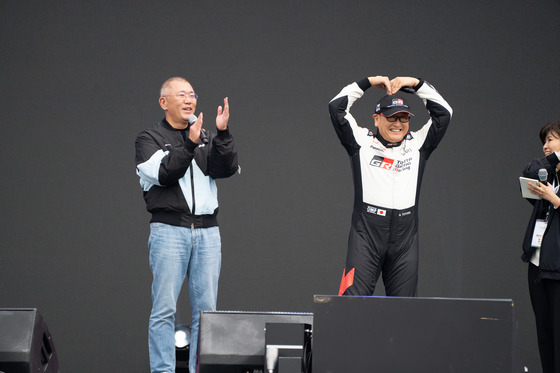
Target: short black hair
x=548, y=128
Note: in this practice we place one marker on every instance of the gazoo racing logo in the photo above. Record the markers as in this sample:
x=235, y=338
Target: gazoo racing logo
x=382, y=162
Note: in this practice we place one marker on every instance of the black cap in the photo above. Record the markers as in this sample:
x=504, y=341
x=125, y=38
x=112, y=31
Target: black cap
x=390, y=105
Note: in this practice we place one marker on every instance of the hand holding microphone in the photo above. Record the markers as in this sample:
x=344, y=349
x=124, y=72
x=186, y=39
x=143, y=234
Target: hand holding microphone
x=543, y=175
x=544, y=189
x=196, y=132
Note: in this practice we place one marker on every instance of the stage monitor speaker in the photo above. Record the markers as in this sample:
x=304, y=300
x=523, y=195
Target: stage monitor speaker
x=26, y=345
x=234, y=341
x=393, y=334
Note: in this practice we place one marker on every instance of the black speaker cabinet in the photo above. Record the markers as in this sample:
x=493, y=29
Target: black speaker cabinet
x=234, y=341
x=26, y=345
x=392, y=334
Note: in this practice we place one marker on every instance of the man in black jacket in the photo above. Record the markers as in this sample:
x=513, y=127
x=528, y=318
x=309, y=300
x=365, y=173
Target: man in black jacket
x=177, y=171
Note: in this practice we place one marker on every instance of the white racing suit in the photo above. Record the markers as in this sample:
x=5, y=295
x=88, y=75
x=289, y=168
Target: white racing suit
x=387, y=178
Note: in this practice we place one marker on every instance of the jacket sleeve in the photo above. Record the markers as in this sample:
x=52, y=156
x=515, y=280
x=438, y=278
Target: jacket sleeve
x=440, y=115
x=339, y=111
x=161, y=164
x=549, y=163
x=222, y=160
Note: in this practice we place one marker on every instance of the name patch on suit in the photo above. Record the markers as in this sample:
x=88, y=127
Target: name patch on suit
x=376, y=211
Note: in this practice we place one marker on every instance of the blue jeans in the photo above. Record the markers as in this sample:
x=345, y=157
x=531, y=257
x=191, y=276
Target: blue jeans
x=176, y=252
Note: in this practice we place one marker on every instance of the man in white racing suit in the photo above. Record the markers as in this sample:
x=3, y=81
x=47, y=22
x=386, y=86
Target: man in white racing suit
x=387, y=167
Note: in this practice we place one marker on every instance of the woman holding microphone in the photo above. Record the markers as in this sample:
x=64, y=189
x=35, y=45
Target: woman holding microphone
x=541, y=248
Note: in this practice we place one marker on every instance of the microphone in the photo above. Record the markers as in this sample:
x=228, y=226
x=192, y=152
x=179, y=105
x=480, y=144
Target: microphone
x=203, y=137
x=543, y=175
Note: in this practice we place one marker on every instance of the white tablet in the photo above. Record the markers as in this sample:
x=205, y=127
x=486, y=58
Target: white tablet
x=523, y=182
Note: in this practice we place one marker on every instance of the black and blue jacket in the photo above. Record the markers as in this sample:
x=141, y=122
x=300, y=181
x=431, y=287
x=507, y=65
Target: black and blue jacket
x=178, y=176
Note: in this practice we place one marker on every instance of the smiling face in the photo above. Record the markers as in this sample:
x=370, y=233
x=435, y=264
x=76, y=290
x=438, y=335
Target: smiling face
x=551, y=143
x=392, y=131
x=177, y=109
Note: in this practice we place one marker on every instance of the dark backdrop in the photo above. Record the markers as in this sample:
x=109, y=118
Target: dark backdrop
x=80, y=80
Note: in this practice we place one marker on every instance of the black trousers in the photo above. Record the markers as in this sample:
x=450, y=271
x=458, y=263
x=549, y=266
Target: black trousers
x=545, y=299
x=382, y=242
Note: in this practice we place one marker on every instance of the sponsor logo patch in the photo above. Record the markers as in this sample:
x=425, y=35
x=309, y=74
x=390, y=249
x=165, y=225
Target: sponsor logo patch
x=405, y=151
x=377, y=148
x=378, y=145
x=376, y=211
x=381, y=162
x=403, y=165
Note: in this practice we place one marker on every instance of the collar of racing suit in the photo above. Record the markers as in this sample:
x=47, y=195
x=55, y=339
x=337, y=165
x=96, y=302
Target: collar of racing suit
x=388, y=144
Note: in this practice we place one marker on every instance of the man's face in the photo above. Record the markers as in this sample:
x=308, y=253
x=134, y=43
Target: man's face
x=178, y=103
x=392, y=129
